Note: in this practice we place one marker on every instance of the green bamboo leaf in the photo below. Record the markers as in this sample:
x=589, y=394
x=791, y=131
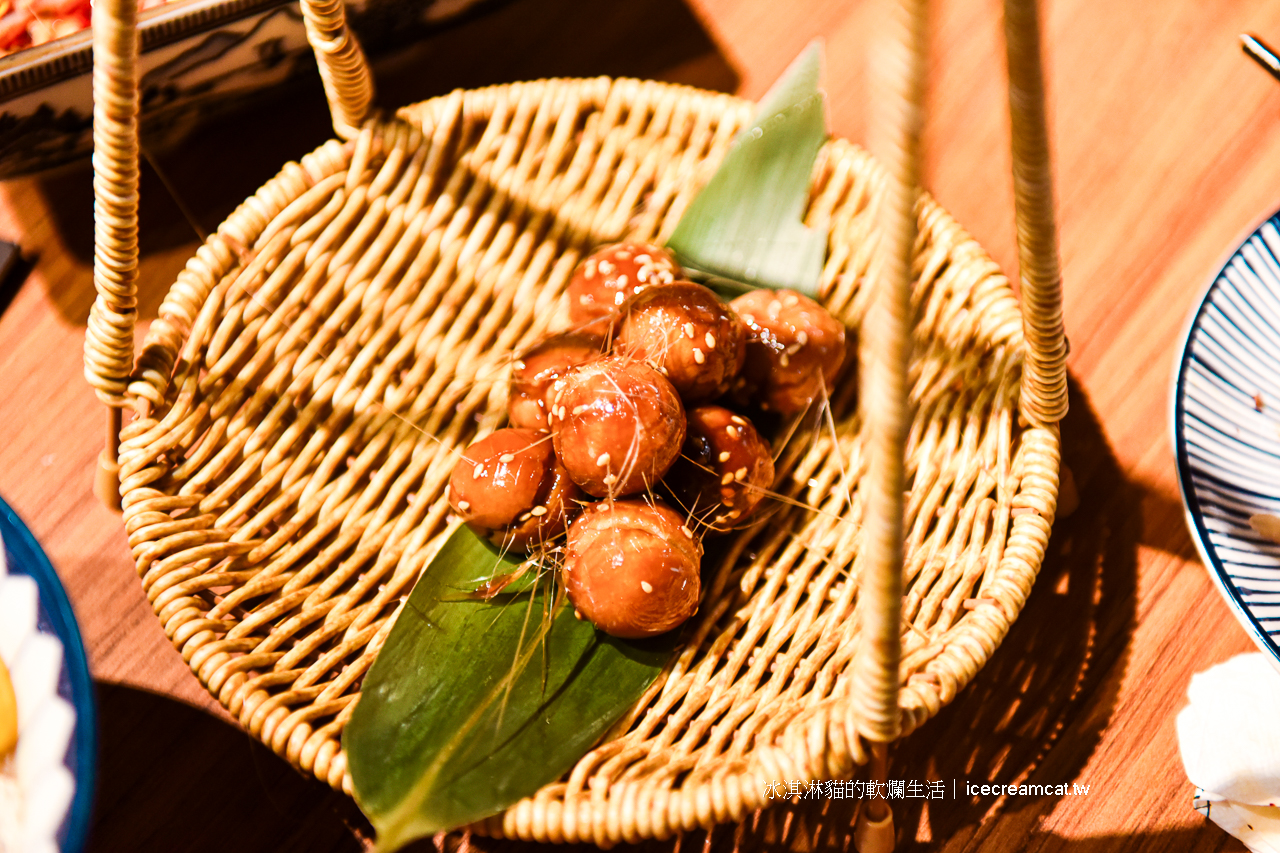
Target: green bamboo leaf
x=746, y=224
x=472, y=705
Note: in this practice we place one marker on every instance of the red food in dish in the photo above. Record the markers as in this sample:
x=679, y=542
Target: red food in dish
x=724, y=468
x=617, y=424
x=510, y=488
x=29, y=23
x=537, y=370
x=686, y=332
x=610, y=276
x=631, y=568
x=795, y=348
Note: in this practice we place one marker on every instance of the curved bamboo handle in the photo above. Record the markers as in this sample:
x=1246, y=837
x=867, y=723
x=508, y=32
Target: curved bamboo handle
x=898, y=70
x=1044, y=375
x=348, y=85
x=108, y=345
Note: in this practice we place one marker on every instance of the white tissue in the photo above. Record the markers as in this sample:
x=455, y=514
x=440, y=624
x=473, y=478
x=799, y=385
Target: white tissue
x=1229, y=737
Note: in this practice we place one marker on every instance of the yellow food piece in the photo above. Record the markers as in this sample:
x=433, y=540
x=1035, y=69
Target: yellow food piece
x=8, y=713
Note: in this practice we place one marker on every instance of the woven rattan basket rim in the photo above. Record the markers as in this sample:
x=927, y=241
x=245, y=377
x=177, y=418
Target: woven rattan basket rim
x=822, y=741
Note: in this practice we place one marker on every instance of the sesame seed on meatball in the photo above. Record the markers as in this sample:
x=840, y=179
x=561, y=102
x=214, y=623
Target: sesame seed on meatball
x=631, y=568
x=617, y=425
x=533, y=374
x=724, y=470
x=795, y=348
x=608, y=277
x=510, y=488
x=686, y=332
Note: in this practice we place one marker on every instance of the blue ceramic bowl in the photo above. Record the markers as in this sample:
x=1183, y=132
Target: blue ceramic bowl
x=1226, y=428
x=54, y=616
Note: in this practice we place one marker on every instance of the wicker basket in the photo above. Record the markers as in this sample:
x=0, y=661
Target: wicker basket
x=299, y=402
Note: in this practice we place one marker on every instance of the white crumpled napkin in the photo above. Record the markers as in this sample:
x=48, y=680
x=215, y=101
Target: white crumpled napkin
x=1229, y=737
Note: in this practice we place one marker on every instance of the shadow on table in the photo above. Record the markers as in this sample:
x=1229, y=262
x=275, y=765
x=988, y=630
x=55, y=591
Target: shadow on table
x=248, y=800
x=1036, y=711
x=1193, y=840
x=233, y=153
x=12, y=279
x=534, y=39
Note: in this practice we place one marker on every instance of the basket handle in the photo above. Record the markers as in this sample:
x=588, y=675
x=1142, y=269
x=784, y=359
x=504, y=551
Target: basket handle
x=344, y=71
x=898, y=81
x=108, y=346
x=1043, y=400
x=108, y=343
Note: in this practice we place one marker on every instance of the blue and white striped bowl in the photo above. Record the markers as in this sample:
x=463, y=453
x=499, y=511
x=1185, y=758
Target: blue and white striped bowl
x=1226, y=427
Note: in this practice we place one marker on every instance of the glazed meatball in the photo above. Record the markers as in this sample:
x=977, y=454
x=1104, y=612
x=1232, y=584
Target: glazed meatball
x=534, y=373
x=685, y=331
x=617, y=425
x=511, y=489
x=724, y=468
x=608, y=277
x=631, y=568
x=795, y=347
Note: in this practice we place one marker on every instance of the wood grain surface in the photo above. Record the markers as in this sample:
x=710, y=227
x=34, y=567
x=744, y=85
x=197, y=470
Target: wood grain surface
x=1167, y=150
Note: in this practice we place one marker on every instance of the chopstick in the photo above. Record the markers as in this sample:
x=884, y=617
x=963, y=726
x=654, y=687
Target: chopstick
x=1261, y=53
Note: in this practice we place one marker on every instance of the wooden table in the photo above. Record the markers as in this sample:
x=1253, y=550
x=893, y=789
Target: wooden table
x=1167, y=144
